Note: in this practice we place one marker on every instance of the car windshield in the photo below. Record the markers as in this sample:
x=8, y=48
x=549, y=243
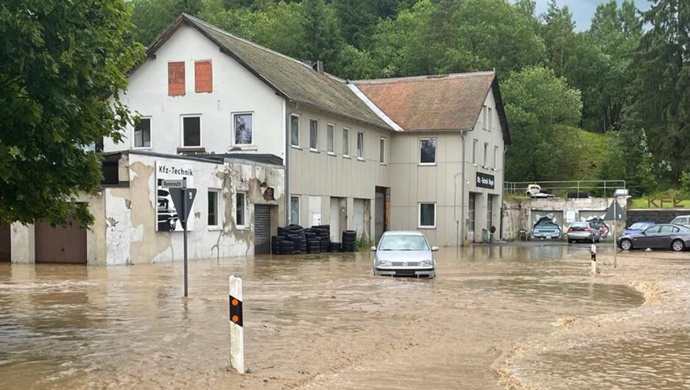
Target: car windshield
x=399, y=242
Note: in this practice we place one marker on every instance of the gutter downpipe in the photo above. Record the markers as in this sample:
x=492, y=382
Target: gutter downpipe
x=462, y=196
x=287, y=159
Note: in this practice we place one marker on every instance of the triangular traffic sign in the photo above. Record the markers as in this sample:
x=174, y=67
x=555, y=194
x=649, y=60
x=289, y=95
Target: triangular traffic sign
x=615, y=212
x=183, y=199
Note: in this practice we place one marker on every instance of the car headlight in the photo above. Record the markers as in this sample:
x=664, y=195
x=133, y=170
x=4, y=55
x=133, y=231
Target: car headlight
x=385, y=263
x=425, y=263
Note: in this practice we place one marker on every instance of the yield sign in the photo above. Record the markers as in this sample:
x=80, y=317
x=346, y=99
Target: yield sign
x=615, y=212
x=183, y=198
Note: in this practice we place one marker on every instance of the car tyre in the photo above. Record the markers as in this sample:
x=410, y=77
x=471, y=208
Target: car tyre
x=677, y=246
x=626, y=245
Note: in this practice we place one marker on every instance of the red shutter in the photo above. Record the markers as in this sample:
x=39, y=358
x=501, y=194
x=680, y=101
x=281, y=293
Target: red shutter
x=176, y=84
x=203, y=76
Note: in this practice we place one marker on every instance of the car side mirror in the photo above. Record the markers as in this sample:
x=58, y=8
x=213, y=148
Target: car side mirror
x=434, y=249
x=373, y=249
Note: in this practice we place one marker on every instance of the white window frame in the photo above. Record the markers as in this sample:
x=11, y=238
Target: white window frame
x=295, y=116
x=360, y=150
x=346, y=144
x=134, y=134
x=495, y=157
x=215, y=226
x=475, y=144
x=330, y=138
x=291, y=209
x=382, y=150
x=419, y=216
x=486, y=152
x=244, y=209
x=419, y=145
x=234, y=128
x=201, y=130
x=314, y=136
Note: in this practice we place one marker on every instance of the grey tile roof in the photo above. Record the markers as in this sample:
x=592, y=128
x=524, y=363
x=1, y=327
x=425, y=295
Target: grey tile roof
x=292, y=79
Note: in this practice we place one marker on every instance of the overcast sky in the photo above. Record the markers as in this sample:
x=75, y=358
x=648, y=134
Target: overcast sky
x=583, y=10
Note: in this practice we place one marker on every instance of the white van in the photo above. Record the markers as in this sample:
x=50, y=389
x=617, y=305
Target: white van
x=682, y=220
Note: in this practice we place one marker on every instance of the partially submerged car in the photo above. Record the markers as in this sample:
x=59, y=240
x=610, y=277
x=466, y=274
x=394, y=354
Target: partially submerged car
x=682, y=220
x=583, y=231
x=637, y=227
x=404, y=253
x=601, y=225
x=546, y=229
x=662, y=236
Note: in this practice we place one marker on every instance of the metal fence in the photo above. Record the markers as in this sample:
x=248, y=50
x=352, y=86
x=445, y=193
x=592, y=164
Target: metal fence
x=572, y=188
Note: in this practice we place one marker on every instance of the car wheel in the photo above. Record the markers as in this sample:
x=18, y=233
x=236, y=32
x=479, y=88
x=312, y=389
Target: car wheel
x=677, y=246
x=626, y=245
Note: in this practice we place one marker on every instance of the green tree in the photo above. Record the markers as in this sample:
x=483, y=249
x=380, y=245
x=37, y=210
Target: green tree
x=661, y=85
x=558, y=33
x=322, y=36
x=540, y=108
x=59, y=64
x=152, y=17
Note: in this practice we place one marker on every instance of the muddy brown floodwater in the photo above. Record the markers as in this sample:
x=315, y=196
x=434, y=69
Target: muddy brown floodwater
x=524, y=316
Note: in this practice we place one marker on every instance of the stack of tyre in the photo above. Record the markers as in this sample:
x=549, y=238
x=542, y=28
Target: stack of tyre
x=313, y=241
x=290, y=240
x=349, y=241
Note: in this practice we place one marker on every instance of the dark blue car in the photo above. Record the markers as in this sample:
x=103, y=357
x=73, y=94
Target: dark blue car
x=637, y=227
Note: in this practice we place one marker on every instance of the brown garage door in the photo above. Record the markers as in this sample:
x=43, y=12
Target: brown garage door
x=5, y=243
x=60, y=244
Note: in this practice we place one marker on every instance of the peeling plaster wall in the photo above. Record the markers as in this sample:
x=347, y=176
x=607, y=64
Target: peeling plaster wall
x=131, y=211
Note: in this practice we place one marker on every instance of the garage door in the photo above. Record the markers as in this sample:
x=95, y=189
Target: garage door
x=262, y=229
x=60, y=244
x=5, y=243
x=358, y=216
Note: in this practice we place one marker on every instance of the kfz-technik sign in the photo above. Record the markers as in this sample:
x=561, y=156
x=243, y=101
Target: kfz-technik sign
x=485, y=181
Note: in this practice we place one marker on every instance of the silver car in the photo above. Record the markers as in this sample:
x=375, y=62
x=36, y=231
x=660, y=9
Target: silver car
x=583, y=231
x=404, y=253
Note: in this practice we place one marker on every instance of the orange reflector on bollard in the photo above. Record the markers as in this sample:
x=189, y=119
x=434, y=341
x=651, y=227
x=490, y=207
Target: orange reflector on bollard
x=235, y=311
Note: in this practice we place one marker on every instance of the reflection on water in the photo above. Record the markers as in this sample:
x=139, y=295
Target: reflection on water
x=653, y=360
x=127, y=327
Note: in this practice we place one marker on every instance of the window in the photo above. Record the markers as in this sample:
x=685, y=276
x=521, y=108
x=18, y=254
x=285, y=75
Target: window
x=244, y=127
x=489, y=212
x=360, y=145
x=427, y=215
x=142, y=133
x=486, y=153
x=346, y=142
x=495, y=157
x=203, y=77
x=470, y=211
x=294, y=210
x=484, y=118
x=191, y=131
x=240, y=209
x=176, y=80
x=294, y=130
x=330, y=130
x=491, y=118
x=427, y=151
x=474, y=151
x=212, y=208
x=313, y=134
x=382, y=150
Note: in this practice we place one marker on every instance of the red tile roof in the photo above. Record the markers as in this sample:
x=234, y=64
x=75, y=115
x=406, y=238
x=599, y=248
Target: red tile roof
x=448, y=102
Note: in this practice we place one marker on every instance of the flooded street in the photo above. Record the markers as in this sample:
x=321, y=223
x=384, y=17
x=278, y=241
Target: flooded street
x=324, y=322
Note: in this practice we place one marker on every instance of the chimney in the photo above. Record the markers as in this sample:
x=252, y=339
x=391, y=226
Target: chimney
x=317, y=66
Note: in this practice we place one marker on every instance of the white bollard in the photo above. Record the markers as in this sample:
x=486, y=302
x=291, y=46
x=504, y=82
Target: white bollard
x=236, y=330
x=593, y=255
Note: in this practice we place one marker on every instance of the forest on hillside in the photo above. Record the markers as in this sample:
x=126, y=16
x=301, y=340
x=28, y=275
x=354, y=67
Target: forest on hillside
x=611, y=102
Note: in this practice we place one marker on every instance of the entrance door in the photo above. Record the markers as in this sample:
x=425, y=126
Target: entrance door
x=60, y=244
x=335, y=220
x=262, y=229
x=5, y=243
x=380, y=214
x=358, y=214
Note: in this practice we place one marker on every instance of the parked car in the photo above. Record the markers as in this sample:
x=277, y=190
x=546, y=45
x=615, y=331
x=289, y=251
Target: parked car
x=535, y=191
x=682, y=220
x=601, y=225
x=637, y=227
x=404, y=253
x=662, y=236
x=583, y=231
x=546, y=229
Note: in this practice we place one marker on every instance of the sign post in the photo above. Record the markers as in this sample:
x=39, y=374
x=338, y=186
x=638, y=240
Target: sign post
x=615, y=212
x=183, y=199
x=236, y=327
